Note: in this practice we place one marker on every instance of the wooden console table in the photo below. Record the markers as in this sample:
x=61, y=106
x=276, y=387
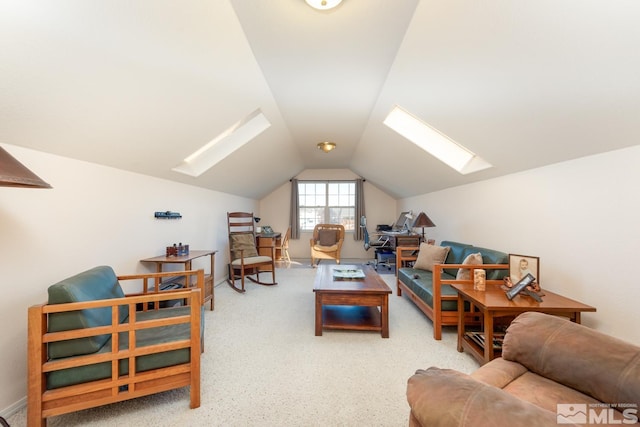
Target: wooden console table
x=186, y=261
x=493, y=303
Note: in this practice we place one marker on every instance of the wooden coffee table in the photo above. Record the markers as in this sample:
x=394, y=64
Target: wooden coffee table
x=353, y=304
x=494, y=303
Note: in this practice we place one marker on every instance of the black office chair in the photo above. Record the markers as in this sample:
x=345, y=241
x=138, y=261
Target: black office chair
x=383, y=251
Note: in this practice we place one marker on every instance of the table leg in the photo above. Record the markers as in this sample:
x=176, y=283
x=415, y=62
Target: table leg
x=461, y=324
x=384, y=316
x=318, y=315
x=489, y=354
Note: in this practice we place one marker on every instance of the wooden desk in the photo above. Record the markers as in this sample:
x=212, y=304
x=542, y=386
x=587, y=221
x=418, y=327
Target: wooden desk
x=267, y=240
x=186, y=261
x=494, y=303
x=396, y=240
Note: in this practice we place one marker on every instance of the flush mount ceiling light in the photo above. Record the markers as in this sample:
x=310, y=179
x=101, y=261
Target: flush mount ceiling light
x=434, y=142
x=326, y=146
x=323, y=4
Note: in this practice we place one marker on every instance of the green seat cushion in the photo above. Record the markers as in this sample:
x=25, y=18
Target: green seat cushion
x=421, y=283
x=144, y=337
x=95, y=284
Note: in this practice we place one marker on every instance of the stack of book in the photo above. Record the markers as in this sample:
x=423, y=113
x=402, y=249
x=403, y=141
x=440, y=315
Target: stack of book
x=478, y=338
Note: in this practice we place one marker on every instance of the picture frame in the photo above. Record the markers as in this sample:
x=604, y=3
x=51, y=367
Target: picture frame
x=521, y=265
x=520, y=286
x=266, y=229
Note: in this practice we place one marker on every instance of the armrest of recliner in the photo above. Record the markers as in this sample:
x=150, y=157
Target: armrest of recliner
x=444, y=397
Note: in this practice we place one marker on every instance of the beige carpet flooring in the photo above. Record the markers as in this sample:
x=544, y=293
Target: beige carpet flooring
x=263, y=366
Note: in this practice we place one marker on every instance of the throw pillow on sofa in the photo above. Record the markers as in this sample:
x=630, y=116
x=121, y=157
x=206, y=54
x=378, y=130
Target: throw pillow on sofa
x=471, y=259
x=430, y=255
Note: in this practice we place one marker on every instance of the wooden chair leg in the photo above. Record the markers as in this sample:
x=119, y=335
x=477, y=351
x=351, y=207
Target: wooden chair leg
x=232, y=279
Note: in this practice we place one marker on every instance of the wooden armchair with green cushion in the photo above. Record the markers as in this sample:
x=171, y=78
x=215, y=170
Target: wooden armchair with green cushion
x=326, y=242
x=91, y=344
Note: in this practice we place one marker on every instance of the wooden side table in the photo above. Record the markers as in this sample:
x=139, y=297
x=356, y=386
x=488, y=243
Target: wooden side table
x=186, y=261
x=493, y=303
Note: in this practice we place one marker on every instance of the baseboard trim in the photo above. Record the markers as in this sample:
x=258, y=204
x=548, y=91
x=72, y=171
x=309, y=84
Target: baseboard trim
x=16, y=407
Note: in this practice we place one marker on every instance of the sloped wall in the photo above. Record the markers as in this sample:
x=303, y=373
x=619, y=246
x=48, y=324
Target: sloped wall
x=94, y=215
x=579, y=217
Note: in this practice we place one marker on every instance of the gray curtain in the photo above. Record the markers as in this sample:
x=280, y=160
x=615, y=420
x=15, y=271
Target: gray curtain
x=294, y=213
x=358, y=233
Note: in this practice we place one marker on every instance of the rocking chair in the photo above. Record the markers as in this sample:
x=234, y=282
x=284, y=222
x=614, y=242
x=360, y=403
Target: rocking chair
x=244, y=255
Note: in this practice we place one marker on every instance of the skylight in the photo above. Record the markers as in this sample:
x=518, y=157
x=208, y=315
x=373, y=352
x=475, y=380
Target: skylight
x=224, y=144
x=434, y=142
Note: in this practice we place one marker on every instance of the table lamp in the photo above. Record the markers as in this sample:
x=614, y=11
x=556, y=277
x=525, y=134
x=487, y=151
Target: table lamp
x=422, y=220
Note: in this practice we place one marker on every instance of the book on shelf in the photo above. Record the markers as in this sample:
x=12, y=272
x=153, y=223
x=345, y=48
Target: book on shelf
x=348, y=274
x=478, y=338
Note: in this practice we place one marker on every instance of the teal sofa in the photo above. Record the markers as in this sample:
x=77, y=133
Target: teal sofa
x=431, y=291
x=91, y=344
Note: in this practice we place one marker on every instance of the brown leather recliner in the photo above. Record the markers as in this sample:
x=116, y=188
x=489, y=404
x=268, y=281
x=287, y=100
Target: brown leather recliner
x=552, y=371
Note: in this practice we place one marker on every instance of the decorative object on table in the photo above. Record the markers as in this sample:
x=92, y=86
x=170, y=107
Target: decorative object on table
x=267, y=229
x=422, y=220
x=527, y=285
x=479, y=280
x=521, y=265
x=167, y=215
x=345, y=273
x=178, y=250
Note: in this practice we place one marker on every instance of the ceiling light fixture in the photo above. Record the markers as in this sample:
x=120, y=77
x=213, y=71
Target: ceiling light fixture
x=434, y=142
x=326, y=146
x=323, y=4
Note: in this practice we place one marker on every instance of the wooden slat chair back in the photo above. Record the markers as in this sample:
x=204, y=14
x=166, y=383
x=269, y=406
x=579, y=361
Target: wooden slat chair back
x=246, y=259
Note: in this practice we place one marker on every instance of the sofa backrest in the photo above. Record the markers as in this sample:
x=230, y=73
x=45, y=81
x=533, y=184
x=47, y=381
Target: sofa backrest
x=455, y=255
x=94, y=284
x=490, y=256
x=584, y=359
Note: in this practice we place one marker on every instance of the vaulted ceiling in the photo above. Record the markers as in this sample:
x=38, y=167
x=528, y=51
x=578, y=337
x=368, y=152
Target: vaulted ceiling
x=139, y=85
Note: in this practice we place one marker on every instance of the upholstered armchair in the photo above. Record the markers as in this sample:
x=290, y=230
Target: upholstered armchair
x=326, y=242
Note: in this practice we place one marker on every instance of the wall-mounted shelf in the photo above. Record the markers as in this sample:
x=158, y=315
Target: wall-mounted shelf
x=167, y=215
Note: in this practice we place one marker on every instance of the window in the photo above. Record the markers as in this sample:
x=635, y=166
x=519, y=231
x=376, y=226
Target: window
x=323, y=202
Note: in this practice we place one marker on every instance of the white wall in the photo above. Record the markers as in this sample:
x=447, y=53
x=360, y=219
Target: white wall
x=579, y=217
x=380, y=208
x=94, y=215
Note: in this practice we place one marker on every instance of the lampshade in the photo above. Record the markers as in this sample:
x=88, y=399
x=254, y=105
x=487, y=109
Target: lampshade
x=15, y=174
x=422, y=220
x=326, y=146
x=323, y=4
